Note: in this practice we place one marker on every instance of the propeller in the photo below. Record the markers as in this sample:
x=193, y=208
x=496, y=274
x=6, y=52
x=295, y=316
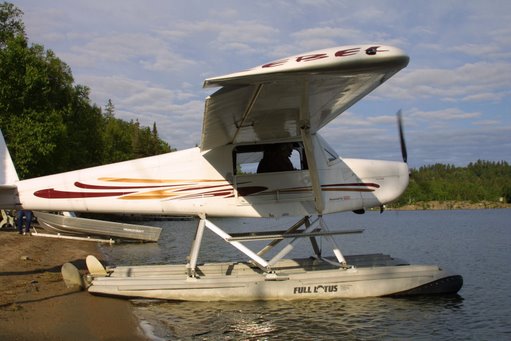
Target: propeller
x=404, y=153
x=402, y=136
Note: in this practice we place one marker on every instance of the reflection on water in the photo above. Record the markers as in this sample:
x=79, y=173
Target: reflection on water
x=473, y=243
x=360, y=319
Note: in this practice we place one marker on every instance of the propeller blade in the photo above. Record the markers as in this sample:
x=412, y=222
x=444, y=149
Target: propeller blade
x=402, y=137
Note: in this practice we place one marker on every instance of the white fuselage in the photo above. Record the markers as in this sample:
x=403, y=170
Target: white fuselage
x=191, y=182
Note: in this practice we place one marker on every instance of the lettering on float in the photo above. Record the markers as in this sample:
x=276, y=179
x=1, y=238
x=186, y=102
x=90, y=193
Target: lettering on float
x=316, y=289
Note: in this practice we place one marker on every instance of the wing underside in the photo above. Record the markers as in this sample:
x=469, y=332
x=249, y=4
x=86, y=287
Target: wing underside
x=275, y=106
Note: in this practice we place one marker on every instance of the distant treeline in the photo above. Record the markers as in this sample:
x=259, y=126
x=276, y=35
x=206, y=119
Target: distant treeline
x=49, y=123
x=479, y=181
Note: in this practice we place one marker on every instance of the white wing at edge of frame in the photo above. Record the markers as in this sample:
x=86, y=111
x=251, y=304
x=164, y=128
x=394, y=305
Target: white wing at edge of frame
x=275, y=100
x=8, y=177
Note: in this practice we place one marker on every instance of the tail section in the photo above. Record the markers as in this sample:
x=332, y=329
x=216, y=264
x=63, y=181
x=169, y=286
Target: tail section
x=8, y=177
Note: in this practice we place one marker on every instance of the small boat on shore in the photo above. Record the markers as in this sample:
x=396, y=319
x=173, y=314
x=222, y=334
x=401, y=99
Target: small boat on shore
x=74, y=226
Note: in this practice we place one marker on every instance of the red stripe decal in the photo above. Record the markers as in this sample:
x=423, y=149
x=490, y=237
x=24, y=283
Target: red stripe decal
x=86, y=186
x=51, y=193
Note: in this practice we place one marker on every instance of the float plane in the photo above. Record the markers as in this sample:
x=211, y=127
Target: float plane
x=260, y=156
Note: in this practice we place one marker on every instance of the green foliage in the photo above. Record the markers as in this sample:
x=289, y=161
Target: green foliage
x=35, y=88
x=127, y=140
x=479, y=181
x=48, y=122
x=11, y=24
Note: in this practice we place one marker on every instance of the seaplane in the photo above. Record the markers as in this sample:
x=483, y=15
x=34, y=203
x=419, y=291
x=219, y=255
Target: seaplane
x=261, y=155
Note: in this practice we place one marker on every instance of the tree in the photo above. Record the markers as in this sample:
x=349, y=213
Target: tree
x=84, y=137
x=116, y=137
x=35, y=88
x=128, y=140
x=109, y=109
x=11, y=24
x=479, y=181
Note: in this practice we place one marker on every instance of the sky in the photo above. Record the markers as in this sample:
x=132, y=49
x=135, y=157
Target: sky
x=151, y=58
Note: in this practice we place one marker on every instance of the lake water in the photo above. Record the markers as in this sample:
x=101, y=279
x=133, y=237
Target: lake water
x=475, y=244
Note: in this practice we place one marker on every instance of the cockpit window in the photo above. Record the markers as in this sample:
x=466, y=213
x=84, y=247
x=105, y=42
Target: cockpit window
x=275, y=157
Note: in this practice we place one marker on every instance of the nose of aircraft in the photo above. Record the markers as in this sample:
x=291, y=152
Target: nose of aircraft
x=395, y=183
x=393, y=178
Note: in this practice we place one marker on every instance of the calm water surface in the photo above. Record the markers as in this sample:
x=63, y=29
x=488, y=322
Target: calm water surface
x=474, y=244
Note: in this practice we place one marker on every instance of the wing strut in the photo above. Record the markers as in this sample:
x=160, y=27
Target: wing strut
x=309, y=148
x=311, y=229
x=248, y=109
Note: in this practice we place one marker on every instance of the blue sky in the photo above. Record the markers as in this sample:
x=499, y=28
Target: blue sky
x=151, y=57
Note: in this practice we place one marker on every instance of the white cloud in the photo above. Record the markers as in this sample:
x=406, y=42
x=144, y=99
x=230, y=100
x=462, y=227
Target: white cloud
x=150, y=52
x=469, y=82
x=447, y=114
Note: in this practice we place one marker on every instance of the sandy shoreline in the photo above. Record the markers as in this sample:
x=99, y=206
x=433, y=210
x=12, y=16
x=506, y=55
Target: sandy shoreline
x=35, y=303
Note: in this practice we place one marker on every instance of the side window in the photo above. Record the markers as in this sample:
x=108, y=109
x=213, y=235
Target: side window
x=247, y=162
x=276, y=157
x=330, y=154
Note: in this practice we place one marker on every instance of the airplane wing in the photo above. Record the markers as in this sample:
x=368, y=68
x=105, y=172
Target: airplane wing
x=275, y=100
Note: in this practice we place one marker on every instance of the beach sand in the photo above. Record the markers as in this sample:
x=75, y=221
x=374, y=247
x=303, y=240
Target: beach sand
x=35, y=304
